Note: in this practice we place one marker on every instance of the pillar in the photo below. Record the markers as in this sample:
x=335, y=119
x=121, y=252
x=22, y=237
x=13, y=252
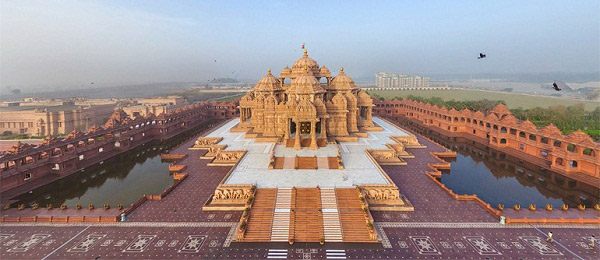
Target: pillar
x=313, y=136
x=297, y=138
x=324, y=128
x=286, y=135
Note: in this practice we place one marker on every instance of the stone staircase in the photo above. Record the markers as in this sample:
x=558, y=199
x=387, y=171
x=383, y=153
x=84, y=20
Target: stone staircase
x=261, y=216
x=332, y=229
x=308, y=220
x=352, y=218
x=280, y=230
x=307, y=215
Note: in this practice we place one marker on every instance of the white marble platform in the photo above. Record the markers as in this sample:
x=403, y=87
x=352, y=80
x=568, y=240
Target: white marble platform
x=359, y=169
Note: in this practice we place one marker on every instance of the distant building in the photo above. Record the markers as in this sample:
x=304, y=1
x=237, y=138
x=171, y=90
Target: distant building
x=395, y=80
x=53, y=116
x=156, y=106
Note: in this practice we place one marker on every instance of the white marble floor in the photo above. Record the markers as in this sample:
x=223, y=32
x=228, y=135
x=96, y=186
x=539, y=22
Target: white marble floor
x=359, y=169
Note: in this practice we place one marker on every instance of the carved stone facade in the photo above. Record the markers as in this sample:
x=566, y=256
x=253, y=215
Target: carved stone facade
x=306, y=108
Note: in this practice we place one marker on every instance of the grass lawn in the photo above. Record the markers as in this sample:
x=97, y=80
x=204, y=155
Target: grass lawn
x=512, y=100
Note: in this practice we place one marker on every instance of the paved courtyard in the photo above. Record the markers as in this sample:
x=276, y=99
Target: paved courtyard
x=176, y=227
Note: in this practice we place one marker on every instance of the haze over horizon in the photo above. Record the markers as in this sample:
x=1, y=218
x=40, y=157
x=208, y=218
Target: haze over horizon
x=47, y=44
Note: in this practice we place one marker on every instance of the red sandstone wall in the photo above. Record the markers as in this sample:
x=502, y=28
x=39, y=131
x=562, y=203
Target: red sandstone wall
x=25, y=160
x=523, y=139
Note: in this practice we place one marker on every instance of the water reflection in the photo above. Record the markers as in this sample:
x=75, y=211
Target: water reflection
x=120, y=180
x=499, y=178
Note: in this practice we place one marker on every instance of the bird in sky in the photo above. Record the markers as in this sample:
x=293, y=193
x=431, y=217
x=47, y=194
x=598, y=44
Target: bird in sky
x=555, y=86
x=481, y=55
x=92, y=83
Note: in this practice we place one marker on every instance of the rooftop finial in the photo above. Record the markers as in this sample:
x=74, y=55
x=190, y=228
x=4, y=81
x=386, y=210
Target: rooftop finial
x=305, y=52
x=269, y=70
x=342, y=69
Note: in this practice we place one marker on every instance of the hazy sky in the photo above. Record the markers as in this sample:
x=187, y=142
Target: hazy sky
x=72, y=43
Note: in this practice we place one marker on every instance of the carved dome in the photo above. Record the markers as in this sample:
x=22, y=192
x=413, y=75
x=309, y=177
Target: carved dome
x=342, y=82
x=268, y=83
x=286, y=70
x=306, y=84
x=305, y=61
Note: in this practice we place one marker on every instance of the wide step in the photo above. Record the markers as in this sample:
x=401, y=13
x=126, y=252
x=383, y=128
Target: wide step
x=332, y=229
x=280, y=230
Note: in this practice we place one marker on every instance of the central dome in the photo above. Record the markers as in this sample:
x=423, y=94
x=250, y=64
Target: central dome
x=306, y=84
x=307, y=62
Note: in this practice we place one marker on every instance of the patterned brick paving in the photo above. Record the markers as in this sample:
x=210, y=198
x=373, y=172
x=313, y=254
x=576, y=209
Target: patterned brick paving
x=114, y=242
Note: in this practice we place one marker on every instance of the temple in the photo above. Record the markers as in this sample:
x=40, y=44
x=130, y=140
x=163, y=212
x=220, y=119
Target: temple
x=305, y=107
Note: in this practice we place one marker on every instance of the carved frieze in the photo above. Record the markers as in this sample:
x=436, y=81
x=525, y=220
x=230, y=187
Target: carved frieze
x=386, y=157
x=232, y=194
x=227, y=158
x=205, y=142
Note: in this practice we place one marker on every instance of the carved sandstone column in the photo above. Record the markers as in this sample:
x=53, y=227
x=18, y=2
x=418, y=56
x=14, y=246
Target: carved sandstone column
x=297, y=141
x=324, y=128
x=313, y=136
x=286, y=136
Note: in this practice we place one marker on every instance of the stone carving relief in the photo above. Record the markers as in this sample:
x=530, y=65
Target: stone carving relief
x=206, y=142
x=232, y=194
x=386, y=157
x=378, y=195
x=227, y=157
x=408, y=141
x=213, y=150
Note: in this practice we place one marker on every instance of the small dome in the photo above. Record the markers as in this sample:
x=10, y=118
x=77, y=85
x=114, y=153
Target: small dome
x=324, y=70
x=286, y=70
x=306, y=84
x=342, y=82
x=268, y=83
x=305, y=61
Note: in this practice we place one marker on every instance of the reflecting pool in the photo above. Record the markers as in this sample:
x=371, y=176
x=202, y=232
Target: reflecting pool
x=120, y=180
x=498, y=178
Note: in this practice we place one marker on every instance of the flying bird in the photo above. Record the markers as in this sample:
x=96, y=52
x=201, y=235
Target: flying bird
x=555, y=86
x=481, y=56
x=92, y=83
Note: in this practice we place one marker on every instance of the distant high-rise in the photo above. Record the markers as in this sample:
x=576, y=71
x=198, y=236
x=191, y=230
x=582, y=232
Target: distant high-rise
x=395, y=80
